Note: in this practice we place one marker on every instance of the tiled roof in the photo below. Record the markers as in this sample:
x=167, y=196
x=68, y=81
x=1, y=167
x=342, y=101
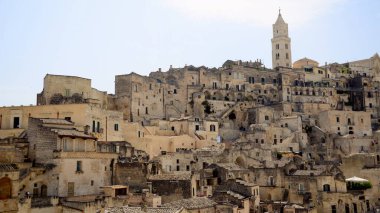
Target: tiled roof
x=180, y=175
x=307, y=172
x=8, y=167
x=56, y=121
x=230, y=166
x=126, y=209
x=72, y=133
x=192, y=203
x=245, y=183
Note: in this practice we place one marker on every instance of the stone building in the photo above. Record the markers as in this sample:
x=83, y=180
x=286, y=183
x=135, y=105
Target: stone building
x=174, y=186
x=56, y=142
x=104, y=124
x=59, y=89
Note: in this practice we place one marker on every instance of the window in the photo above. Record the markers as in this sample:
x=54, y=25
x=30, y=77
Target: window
x=177, y=168
x=93, y=126
x=337, y=119
x=150, y=86
x=139, y=134
x=251, y=80
x=212, y=128
x=267, y=118
x=286, y=46
x=146, y=110
x=92, y=182
x=196, y=127
x=187, y=168
x=175, y=91
x=270, y=181
x=262, y=141
x=67, y=92
x=301, y=187
x=214, y=85
x=326, y=187
x=277, y=46
x=177, y=160
x=68, y=118
x=227, y=86
x=98, y=127
x=262, y=80
x=333, y=209
x=79, y=166
x=173, y=128
x=287, y=56
x=116, y=127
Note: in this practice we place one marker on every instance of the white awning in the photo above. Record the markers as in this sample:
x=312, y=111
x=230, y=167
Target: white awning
x=356, y=179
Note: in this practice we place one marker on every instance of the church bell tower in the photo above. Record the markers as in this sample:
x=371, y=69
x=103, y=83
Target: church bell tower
x=281, y=47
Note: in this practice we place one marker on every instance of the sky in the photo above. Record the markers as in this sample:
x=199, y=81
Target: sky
x=99, y=39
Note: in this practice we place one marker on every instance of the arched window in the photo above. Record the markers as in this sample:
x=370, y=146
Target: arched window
x=326, y=187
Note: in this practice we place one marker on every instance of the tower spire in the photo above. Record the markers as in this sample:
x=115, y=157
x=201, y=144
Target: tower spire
x=281, y=50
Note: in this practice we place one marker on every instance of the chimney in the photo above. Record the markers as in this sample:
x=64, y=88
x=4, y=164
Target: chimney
x=159, y=69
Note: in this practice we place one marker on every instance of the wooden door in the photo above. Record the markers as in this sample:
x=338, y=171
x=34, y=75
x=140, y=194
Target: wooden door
x=70, y=189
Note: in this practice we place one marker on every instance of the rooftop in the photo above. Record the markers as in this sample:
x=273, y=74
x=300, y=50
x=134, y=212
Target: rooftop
x=230, y=166
x=72, y=133
x=178, y=175
x=126, y=209
x=56, y=121
x=192, y=203
x=8, y=167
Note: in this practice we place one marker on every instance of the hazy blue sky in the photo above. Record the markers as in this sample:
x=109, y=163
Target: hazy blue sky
x=99, y=39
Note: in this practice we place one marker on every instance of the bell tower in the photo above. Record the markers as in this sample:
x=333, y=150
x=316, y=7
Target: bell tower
x=281, y=48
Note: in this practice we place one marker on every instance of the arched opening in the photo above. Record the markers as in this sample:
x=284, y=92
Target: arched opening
x=232, y=116
x=5, y=188
x=240, y=161
x=269, y=197
x=326, y=187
